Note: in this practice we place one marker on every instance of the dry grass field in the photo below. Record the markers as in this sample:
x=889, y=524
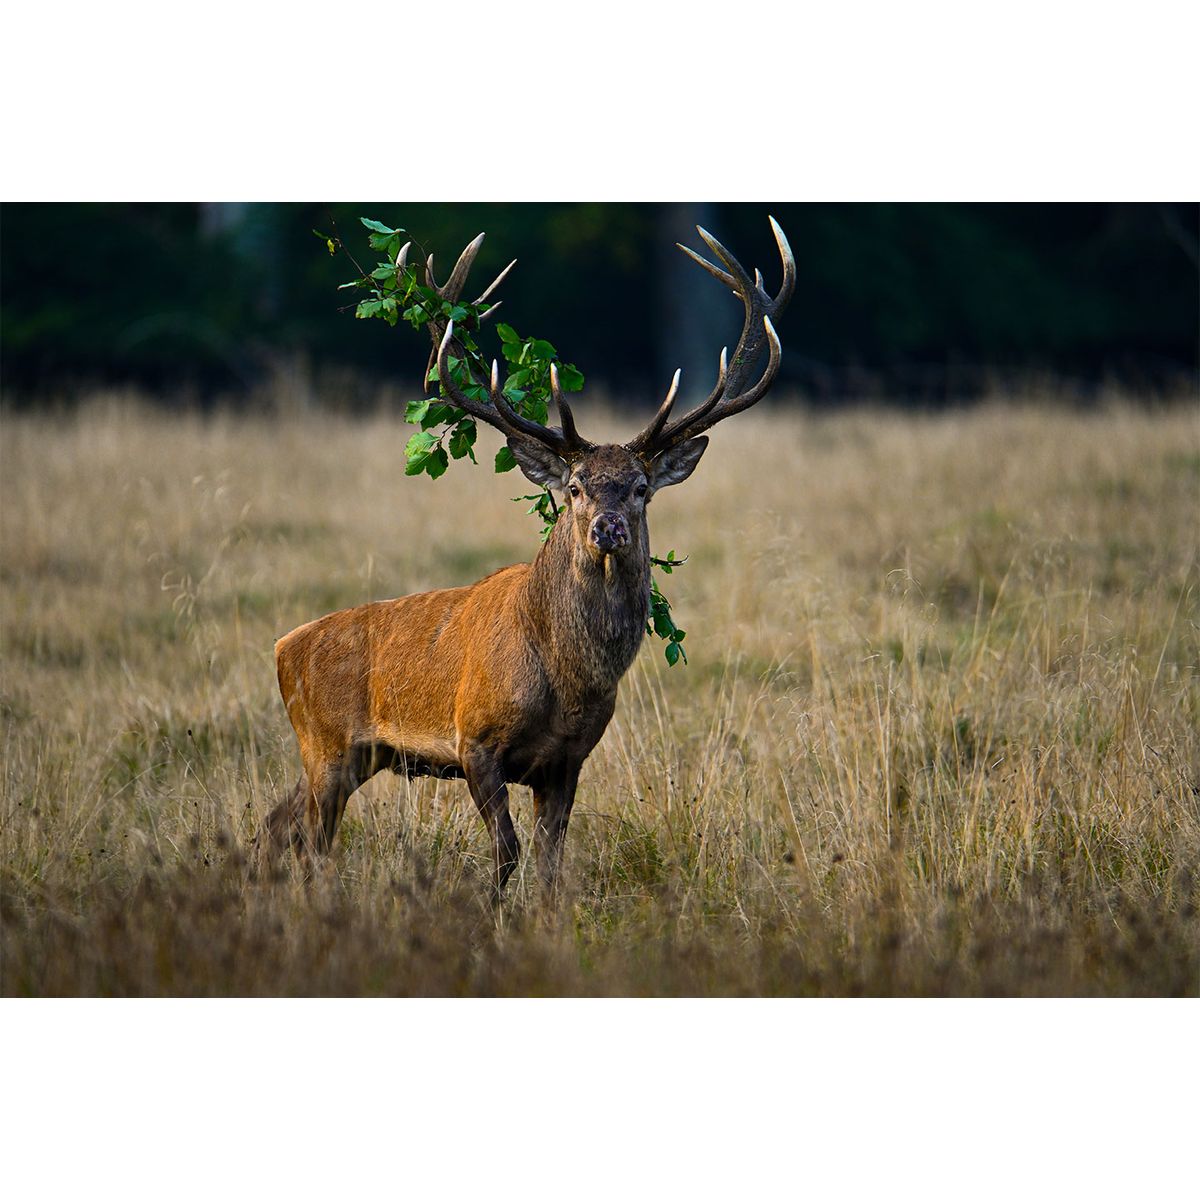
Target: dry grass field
x=940, y=734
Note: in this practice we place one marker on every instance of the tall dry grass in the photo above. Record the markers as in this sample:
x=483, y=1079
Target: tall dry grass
x=940, y=733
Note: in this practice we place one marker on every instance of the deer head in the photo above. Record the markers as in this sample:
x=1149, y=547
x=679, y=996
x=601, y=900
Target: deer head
x=606, y=488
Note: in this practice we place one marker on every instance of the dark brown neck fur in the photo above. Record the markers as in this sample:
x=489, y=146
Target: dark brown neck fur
x=586, y=619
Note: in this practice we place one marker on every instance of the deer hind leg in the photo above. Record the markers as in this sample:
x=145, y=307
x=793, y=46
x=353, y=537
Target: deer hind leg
x=485, y=778
x=362, y=762
x=286, y=826
x=307, y=819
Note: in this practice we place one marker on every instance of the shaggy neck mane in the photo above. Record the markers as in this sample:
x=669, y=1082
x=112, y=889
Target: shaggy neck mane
x=588, y=616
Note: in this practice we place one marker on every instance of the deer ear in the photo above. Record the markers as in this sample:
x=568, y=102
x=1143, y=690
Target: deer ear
x=539, y=463
x=676, y=464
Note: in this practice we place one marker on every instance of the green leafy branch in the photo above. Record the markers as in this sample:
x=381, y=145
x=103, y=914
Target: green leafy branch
x=661, y=622
x=394, y=293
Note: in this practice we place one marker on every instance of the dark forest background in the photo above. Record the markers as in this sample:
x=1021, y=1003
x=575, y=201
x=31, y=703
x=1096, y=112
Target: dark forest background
x=925, y=303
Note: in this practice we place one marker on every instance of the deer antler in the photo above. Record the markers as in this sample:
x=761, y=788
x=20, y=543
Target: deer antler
x=733, y=392
x=499, y=413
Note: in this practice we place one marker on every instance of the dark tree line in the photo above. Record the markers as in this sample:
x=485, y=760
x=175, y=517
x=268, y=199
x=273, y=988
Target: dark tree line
x=909, y=301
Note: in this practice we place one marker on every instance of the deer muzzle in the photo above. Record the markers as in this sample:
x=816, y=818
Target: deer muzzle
x=609, y=532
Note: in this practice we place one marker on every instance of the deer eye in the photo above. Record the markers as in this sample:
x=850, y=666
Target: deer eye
x=574, y=490
x=641, y=489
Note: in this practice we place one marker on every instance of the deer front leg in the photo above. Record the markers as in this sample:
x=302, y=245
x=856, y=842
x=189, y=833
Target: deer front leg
x=553, y=797
x=485, y=778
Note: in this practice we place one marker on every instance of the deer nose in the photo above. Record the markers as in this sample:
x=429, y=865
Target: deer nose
x=609, y=531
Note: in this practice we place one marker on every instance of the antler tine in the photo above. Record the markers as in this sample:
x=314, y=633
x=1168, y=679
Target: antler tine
x=429, y=282
x=715, y=272
x=491, y=287
x=647, y=436
x=566, y=418
x=789, y=265
x=684, y=426
x=702, y=410
x=402, y=257
x=736, y=270
x=453, y=286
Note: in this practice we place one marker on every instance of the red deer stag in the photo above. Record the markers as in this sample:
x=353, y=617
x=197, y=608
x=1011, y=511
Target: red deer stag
x=514, y=678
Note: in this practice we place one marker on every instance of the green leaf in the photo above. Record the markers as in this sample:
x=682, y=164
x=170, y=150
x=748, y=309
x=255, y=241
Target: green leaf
x=420, y=444
x=378, y=227
x=504, y=460
x=673, y=652
x=416, y=411
x=507, y=333
x=437, y=463
x=368, y=308
x=463, y=438
x=384, y=271
x=542, y=349
x=570, y=377
x=441, y=414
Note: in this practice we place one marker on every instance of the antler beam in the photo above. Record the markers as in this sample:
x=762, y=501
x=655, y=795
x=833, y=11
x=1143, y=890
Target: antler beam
x=733, y=392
